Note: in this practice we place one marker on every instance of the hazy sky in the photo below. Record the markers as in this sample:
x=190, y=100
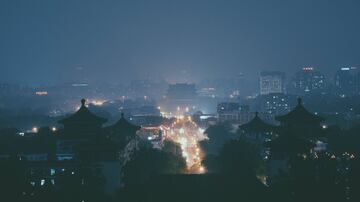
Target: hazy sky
x=53, y=41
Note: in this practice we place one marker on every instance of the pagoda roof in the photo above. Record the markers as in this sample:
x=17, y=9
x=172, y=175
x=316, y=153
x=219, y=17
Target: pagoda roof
x=290, y=144
x=299, y=115
x=83, y=116
x=257, y=125
x=123, y=124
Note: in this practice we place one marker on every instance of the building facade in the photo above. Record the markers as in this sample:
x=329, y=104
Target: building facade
x=347, y=81
x=272, y=82
x=307, y=80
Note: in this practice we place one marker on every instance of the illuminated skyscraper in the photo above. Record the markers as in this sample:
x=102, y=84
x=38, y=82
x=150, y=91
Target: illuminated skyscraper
x=272, y=82
x=308, y=80
x=347, y=81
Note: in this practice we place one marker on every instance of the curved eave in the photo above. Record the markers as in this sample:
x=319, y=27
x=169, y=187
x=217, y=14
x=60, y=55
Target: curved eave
x=299, y=114
x=301, y=118
x=257, y=125
x=83, y=115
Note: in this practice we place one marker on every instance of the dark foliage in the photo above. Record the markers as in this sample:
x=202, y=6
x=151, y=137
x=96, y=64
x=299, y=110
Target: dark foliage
x=218, y=135
x=148, y=162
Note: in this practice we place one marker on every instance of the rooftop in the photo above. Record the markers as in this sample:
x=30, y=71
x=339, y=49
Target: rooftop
x=299, y=115
x=83, y=116
x=257, y=125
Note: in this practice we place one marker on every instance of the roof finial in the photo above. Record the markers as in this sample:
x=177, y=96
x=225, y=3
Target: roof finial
x=122, y=115
x=299, y=101
x=83, y=102
x=256, y=114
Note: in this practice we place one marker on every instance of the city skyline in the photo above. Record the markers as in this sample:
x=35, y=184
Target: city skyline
x=179, y=100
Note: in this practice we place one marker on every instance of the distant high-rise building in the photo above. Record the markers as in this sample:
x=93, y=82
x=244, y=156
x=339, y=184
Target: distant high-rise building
x=181, y=91
x=233, y=112
x=228, y=106
x=180, y=98
x=307, y=80
x=276, y=103
x=272, y=82
x=347, y=81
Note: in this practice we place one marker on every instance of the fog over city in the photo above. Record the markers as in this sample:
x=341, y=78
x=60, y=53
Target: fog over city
x=46, y=42
x=179, y=100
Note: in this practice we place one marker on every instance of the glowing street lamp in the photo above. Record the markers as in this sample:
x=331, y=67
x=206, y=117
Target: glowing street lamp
x=35, y=129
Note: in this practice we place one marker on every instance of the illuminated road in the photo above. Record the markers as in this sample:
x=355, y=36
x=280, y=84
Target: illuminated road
x=185, y=132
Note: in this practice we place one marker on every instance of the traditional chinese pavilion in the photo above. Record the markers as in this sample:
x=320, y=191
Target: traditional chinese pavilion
x=256, y=128
x=299, y=116
x=298, y=130
x=82, y=123
x=122, y=131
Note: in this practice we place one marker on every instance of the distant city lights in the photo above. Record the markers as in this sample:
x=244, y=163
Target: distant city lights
x=97, y=102
x=308, y=68
x=35, y=129
x=185, y=132
x=41, y=93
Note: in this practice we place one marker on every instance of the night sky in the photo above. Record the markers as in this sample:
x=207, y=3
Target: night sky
x=46, y=42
